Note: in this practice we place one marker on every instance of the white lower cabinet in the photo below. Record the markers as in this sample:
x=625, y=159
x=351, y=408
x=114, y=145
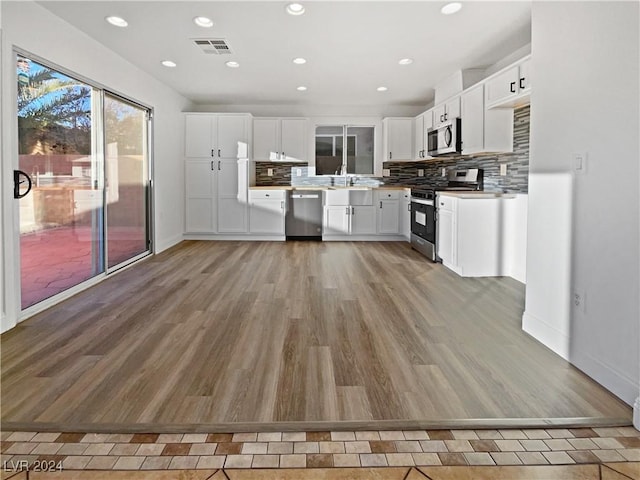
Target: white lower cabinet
x=363, y=220
x=202, y=198
x=477, y=237
x=349, y=220
x=267, y=210
x=405, y=214
x=388, y=203
x=232, y=211
x=447, y=231
x=336, y=220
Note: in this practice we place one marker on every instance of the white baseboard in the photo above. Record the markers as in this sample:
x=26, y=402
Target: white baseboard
x=616, y=382
x=364, y=238
x=243, y=237
x=5, y=324
x=546, y=334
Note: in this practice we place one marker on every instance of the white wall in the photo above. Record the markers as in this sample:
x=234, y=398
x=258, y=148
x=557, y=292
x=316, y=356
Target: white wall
x=34, y=29
x=585, y=98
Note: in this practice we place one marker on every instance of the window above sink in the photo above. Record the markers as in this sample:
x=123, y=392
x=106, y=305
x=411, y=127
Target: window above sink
x=333, y=159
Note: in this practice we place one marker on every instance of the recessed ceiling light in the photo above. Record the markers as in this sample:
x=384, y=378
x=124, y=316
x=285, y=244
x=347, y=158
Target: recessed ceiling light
x=168, y=63
x=203, y=22
x=299, y=61
x=406, y=61
x=295, y=9
x=301, y=88
x=117, y=21
x=382, y=89
x=232, y=64
x=450, y=8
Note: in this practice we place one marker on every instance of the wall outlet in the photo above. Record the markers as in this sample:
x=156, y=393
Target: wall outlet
x=421, y=172
x=298, y=172
x=579, y=162
x=386, y=172
x=503, y=169
x=270, y=172
x=579, y=300
x=443, y=172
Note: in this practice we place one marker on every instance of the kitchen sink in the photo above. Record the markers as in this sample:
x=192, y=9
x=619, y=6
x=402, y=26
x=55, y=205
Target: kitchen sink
x=348, y=196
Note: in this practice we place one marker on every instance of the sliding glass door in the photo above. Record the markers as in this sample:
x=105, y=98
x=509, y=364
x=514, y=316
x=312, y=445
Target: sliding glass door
x=60, y=154
x=82, y=182
x=127, y=180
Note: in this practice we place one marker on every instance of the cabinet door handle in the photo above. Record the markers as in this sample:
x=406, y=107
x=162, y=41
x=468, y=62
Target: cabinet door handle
x=390, y=156
x=218, y=164
x=522, y=83
x=512, y=87
x=353, y=211
x=211, y=164
x=347, y=210
x=442, y=118
x=218, y=152
x=446, y=115
x=380, y=203
x=212, y=154
x=282, y=205
x=283, y=156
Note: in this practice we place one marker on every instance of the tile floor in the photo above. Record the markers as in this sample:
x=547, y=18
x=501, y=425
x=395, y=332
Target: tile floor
x=435, y=454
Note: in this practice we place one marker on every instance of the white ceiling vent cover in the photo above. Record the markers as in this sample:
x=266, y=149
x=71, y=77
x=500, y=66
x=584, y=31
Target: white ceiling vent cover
x=213, y=46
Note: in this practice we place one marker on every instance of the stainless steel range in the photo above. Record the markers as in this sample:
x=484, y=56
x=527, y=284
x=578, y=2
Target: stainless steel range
x=424, y=230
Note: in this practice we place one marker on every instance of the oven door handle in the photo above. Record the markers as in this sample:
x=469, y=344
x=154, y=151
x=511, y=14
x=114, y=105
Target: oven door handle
x=422, y=201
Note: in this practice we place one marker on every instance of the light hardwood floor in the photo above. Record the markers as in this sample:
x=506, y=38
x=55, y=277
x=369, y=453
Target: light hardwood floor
x=209, y=334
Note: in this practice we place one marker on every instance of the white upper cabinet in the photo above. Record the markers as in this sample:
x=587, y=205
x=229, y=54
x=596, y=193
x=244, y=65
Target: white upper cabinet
x=511, y=87
x=422, y=124
x=483, y=130
x=280, y=139
x=293, y=134
x=398, y=139
x=446, y=112
x=473, y=118
x=231, y=130
x=210, y=135
x=200, y=135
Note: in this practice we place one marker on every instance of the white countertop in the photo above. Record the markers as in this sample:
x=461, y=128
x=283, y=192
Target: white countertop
x=477, y=195
x=325, y=187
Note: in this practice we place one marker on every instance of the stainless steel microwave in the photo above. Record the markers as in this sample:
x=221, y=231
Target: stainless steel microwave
x=445, y=139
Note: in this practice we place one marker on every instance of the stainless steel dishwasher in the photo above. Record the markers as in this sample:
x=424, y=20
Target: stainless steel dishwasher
x=304, y=215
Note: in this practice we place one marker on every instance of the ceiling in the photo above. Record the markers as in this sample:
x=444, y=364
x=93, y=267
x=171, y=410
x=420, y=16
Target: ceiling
x=351, y=47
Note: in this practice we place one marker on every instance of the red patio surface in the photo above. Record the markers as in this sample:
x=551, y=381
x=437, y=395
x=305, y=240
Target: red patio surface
x=55, y=259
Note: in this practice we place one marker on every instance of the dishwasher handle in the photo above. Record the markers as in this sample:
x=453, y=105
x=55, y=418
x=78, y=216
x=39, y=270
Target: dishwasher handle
x=305, y=195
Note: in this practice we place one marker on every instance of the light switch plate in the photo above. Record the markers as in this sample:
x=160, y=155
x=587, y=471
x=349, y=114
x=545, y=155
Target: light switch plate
x=386, y=172
x=503, y=169
x=270, y=172
x=421, y=172
x=579, y=161
x=443, y=172
x=298, y=172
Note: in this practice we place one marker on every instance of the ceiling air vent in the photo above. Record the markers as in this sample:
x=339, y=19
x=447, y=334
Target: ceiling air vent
x=213, y=46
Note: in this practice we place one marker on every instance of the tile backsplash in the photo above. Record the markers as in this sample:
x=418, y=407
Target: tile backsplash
x=406, y=173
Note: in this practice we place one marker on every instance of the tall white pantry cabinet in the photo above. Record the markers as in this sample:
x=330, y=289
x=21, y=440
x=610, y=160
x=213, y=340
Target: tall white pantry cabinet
x=211, y=172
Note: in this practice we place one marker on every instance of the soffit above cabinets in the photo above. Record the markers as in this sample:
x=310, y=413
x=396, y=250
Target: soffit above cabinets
x=351, y=47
